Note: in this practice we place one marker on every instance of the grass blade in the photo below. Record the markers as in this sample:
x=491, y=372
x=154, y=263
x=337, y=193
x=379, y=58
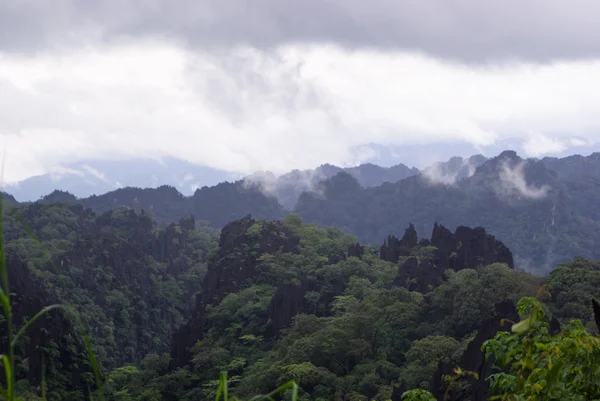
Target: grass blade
x=16, y=215
x=8, y=372
x=220, y=388
x=225, y=386
x=91, y=356
x=43, y=378
x=32, y=321
x=289, y=385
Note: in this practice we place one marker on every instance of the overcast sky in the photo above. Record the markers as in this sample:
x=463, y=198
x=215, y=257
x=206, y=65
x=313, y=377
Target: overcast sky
x=282, y=84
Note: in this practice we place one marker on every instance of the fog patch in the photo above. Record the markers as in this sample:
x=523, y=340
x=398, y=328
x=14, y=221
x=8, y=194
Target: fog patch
x=512, y=182
x=264, y=181
x=450, y=172
x=288, y=187
x=95, y=172
x=58, y=173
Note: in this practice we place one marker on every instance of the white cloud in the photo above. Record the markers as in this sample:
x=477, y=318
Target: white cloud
x=512, y=182
x=441, y=173
x=57, y=173
x=538, y=145
x=297, y=107
x=95, y=172
x=578, y=142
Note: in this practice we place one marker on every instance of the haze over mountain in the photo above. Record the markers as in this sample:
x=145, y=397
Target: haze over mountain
x=89, y=178
x=543, y=208
x=96, y=177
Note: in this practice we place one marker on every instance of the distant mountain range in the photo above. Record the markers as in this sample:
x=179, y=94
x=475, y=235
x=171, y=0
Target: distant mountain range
x=96, y=177
x=545, y=210
x=85, y=179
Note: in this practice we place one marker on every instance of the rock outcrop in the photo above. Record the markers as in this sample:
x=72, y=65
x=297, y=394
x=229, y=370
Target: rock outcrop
x=394, y=248
x=465, y=248
x=356, y=250
x=229, y=270
x=469, y=248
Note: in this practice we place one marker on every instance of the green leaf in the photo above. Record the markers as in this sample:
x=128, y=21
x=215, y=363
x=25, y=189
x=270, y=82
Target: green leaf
x=552, y=377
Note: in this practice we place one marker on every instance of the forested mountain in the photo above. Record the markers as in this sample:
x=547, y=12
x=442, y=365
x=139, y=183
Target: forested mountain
x=96, y=177
x=217, y=205
x=274, y=301
x=545, y=216
x=288, y=187
x=545, y=210
x=132, y=281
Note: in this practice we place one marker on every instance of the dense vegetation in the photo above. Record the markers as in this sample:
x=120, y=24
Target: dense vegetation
x=274, y=301
x=545, y=210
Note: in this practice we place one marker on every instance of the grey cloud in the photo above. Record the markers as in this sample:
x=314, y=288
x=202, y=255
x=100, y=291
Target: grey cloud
x=466, y=30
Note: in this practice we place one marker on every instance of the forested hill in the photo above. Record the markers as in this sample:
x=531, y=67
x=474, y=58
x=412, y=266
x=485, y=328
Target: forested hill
x=268, y=301
x=132, y=282
x=545, y=210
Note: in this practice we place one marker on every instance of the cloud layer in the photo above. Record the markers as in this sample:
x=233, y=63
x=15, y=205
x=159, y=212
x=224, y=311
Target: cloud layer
x=467, y=30
x=247, y=109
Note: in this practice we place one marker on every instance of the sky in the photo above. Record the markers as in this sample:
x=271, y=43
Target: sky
x=273, y=85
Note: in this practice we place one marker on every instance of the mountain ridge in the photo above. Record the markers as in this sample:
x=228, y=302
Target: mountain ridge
x=544, y=207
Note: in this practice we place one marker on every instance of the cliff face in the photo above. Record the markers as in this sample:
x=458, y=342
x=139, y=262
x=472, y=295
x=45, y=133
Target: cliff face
x=241, y=244
x=468, y=248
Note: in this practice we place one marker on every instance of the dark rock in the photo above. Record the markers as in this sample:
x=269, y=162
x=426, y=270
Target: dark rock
x=466, y=248
x=473, y=359
x=410, y=238
x=357, y=250
x=393, y=249
x=288, y=302
x=480, y=249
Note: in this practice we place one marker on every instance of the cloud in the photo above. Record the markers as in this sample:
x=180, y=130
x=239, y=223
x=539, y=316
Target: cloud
x=264, y=181
x=58, y=172
x=296, y=106
x=578, y=142
x=457, y=29
x=512, y=182
x=539, y=144
x=95, y=172
x=448, y=173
